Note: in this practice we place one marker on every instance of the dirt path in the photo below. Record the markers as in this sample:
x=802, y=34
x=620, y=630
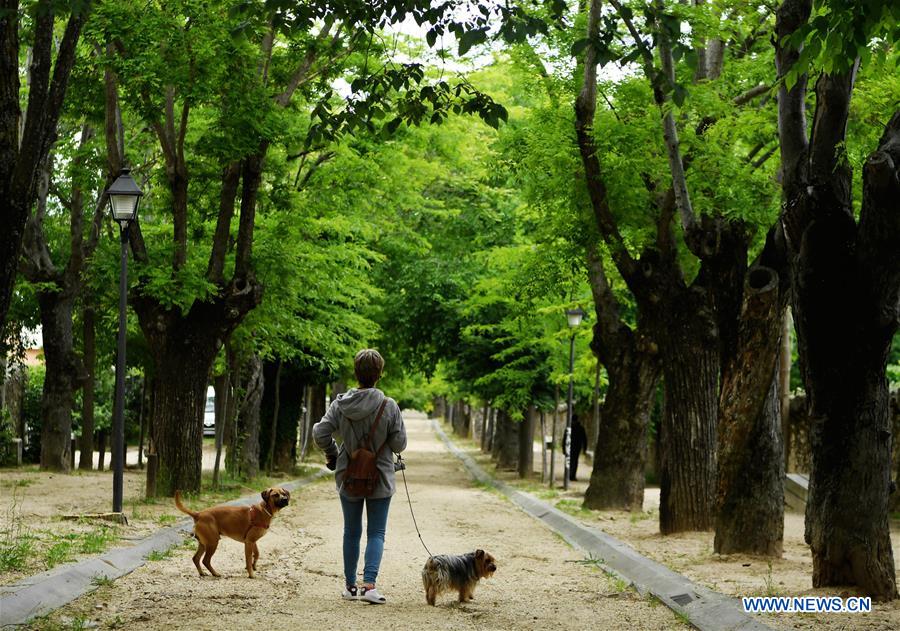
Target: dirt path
x=540, y=582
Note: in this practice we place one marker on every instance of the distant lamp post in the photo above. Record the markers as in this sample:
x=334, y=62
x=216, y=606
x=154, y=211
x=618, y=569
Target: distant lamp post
x=124, y=196
x=574, y=316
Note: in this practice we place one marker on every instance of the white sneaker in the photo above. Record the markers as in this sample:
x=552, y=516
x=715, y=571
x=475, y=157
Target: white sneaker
x=350, y=593
x=371, y=595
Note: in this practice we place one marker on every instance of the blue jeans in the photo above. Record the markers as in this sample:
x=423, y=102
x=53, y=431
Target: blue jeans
x=376, y=524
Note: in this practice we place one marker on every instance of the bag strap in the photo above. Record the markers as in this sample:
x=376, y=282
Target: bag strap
x=375, y=426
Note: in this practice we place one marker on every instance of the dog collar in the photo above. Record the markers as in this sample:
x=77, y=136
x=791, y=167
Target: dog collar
x=255, y=524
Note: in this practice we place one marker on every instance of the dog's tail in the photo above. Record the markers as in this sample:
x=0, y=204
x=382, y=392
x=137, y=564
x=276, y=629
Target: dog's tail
x=181, y=506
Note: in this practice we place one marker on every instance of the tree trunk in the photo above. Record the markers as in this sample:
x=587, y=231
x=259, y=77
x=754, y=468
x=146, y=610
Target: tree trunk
x=236, y=389
x=248, y=419
x=526, y=443
x=101, y=449
x=750, y=491
x=554, y=420
x=24, y=145
x=690, y=363
x=489, y=442
x=290, y=415
x=484, y=423
x=595, y=417
x=507, y=440
x=86, y=441
x=632, y=367
x=179, y=399
x=307, y=423
x=59, y=383
x=142, y=422
x=784, y=388
x=221, y=384
x=620, y=455
x=273, y=428
x=845, y=281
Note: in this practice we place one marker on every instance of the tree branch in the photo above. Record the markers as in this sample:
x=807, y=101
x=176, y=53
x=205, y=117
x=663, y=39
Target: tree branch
x=302, y=72
x=10, y=109
x=76, y=213
x=670, y=132
x=879, y=226
x=230, y=179
x=585, y=109
x=749, y=95
x=791, y=15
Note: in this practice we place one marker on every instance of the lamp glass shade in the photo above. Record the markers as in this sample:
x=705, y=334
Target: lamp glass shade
x=574, y=316
x=124, y=196
x=124, y=207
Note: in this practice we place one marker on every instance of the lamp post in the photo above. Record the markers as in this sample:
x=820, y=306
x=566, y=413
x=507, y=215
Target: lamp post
x=124, y=196
x=574, y=316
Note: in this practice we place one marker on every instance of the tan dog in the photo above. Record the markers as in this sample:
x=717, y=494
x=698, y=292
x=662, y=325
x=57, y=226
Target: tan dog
x=241, y=523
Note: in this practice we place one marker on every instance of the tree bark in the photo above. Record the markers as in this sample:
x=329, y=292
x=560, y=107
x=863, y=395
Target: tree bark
x=620, y=454
x=484, y=423
x=690, y=361
x=101, y=449
x=507, y=441
x=850, y=271
x=24, y=147
x=784, y=388
x=526, y=443
x=60, y=380
x=179, y=398
x=89, y=358
x=273, y=429
x=221, y=384
x=750, y=492
x=248, y=419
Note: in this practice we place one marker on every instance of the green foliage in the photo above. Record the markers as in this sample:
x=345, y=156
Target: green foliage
x=7, y=434
x=31, y=412
x=840, y=31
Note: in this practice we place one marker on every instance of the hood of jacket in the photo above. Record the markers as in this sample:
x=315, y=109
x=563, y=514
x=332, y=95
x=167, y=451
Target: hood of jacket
x=356, y=404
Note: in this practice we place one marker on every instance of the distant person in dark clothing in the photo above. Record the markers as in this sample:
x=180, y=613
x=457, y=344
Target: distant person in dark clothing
x=579, y=444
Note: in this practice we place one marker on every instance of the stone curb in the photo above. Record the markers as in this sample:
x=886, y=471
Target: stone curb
x=704, y=608
x=40, y=594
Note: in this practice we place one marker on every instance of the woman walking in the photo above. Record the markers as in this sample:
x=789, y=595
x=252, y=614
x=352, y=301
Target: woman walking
x=365, y=419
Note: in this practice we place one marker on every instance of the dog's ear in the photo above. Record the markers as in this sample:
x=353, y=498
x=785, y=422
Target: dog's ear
x=479, y=554
x=265, y=495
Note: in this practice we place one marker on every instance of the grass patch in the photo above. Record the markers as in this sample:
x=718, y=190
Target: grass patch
x=17, y=543
x=18, y=484
x=159, y=555
x=637, y=516
x=97, y=541
x=573, y=507
x=101, y=581
x=682, y=617
x=166, y=520
x=59, y=552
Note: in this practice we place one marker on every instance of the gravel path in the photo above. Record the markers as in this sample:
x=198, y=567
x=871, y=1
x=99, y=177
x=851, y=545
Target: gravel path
x=540, y=583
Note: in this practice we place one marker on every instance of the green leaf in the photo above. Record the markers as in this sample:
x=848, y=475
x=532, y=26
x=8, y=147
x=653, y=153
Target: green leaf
x=471, y=38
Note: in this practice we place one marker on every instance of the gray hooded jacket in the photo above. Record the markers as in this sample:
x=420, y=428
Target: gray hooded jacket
x=351, y=415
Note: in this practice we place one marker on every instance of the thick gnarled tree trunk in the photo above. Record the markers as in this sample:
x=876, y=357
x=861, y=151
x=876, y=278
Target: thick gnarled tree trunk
x=179, y=398
x=690, y=364
x=845, y=280
x=632, y=368
x=750, y=492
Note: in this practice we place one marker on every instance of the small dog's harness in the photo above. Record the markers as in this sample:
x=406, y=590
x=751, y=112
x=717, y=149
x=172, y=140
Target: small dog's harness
x=255, y=524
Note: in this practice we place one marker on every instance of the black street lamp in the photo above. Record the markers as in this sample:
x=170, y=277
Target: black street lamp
x=574, y=316
x=124, y=196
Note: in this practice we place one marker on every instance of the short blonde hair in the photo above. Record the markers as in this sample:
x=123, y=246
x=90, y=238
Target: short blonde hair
x=367, y=365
